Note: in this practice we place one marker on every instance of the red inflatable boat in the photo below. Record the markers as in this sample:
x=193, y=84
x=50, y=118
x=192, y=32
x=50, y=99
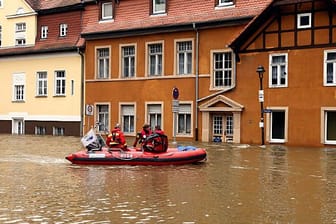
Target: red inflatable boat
x=97, y=153
x=106, y=156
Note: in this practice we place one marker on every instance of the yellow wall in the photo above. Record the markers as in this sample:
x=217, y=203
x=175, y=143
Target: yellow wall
x=9, y=17
x=67, y=107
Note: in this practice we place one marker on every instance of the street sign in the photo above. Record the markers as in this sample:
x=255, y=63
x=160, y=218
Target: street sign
x=175, y=106
x=89, y=109
x=175, y=93
x=267, y=111
x=261, y=95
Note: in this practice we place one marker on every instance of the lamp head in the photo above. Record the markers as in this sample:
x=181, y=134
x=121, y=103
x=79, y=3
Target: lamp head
x=260, y=71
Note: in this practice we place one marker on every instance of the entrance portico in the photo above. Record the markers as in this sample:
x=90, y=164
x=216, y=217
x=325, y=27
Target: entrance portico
x=221, y=118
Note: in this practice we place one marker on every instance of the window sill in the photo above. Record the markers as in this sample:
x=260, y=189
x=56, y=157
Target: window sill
x=224, y=6
x=106, y=21
x=18, y=101
x=158, y=14
x=279, y=86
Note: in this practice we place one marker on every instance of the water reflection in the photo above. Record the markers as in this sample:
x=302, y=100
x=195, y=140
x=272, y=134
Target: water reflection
x=238, y=184
x=328, y=214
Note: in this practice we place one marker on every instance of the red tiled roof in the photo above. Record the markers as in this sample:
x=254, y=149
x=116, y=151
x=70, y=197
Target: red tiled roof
x=135, y=14
x=50, y=4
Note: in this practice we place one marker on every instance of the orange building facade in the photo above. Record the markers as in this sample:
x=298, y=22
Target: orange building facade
x=136, y=57
x=136, y=54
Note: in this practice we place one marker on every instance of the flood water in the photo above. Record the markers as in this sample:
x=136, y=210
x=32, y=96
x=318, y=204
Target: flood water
x=237, y=184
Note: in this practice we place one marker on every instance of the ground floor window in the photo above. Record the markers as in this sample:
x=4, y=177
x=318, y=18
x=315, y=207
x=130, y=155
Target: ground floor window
x=330, y=127
x=127, y=118
x=184, y=119
x=154, y=115
x=40, y=130
x=58, y=131
x=103, y=117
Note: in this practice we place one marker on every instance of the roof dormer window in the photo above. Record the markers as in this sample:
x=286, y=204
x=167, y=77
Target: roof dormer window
x=107, y=11
x=222, y=3
x=20, y=10
x=159, y=6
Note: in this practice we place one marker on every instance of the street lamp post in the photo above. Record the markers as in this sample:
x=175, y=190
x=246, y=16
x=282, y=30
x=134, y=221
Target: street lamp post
x=260, y=71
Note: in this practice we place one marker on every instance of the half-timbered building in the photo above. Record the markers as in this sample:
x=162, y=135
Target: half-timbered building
x=294, y=41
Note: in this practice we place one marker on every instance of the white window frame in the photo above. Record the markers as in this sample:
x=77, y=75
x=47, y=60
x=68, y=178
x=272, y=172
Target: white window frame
x=19, y=83
x=60, y=83
x=103, y=117
x=325, y=68
x=157, y=57
x=301, y=15
x=217, y=125
x=269, y=124
x=58, y=131
x=19, y=92
x=131, y=60
x=224, y=70
x=63, y=29
x=159, y=8
x=128, y=117
x=186, y=54
x=20, y=41
x=41, y=83
x=154, y=114
x=222, y=3
x=279, y=74
x=229, y=124
x=324, y=125
x=39, y=130
x=104, y=60
x=185, y=109
x=20, y=27
x=104, y=7
x=44, y=32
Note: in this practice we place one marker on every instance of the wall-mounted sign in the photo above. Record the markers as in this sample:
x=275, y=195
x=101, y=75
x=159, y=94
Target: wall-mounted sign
x=89, y=109
x=175, y=93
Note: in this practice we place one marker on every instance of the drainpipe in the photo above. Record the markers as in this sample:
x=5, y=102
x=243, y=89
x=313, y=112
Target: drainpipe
x=196, y=81
x=82, y=91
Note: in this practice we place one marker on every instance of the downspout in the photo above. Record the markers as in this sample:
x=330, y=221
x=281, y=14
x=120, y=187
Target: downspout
x=81, y=91
x=196, y=81
x=81, y=129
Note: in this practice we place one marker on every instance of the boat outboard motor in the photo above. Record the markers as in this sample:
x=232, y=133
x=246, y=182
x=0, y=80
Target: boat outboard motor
x=156, y=143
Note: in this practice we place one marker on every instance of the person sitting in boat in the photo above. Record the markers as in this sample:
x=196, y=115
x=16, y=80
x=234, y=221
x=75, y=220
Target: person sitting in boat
x=158, y=130
x=155, y=143
x=116, y=139
x=141, y=136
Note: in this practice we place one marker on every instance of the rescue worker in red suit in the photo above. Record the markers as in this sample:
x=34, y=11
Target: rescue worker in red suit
x=158, y=130
x=145, y=132
x=116, y=139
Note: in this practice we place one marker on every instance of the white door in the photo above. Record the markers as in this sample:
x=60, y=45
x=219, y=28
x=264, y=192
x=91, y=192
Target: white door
x=18, y=126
